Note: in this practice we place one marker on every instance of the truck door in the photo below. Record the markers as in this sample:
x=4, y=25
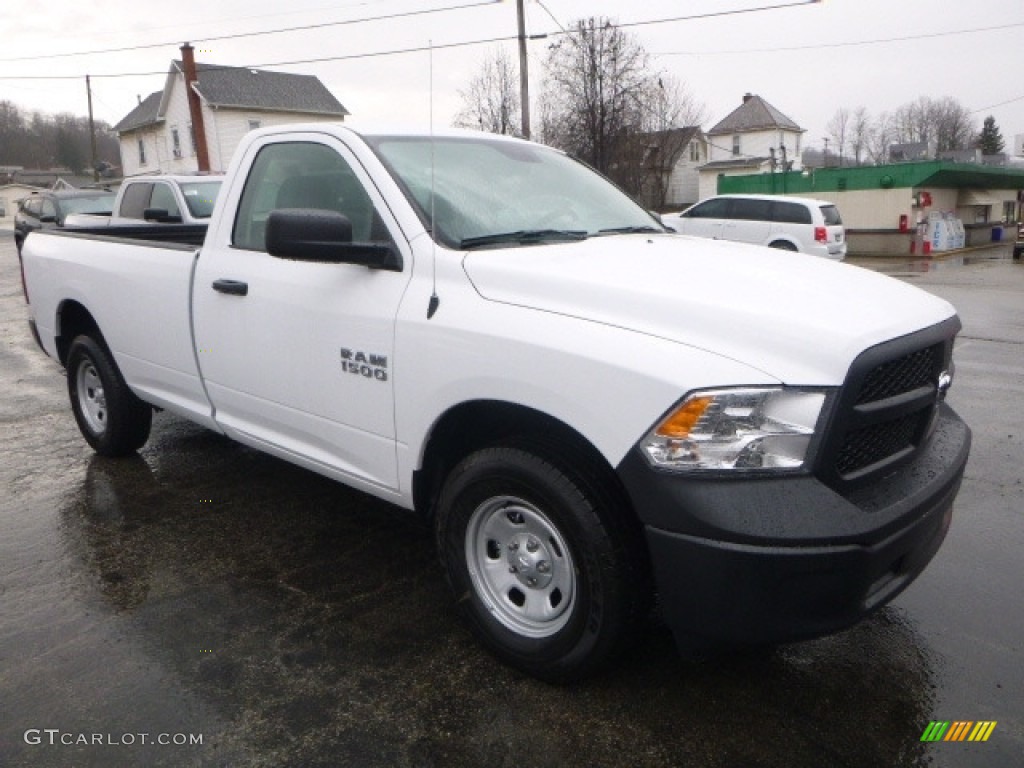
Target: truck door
x=297, y=356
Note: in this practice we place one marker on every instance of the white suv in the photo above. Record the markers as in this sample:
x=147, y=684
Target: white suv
x=790, y=223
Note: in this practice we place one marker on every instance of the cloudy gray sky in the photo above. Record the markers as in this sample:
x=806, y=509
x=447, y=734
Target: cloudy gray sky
x=807, y=60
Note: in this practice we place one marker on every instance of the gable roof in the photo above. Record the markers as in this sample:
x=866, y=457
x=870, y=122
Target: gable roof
x=245, y=88
x=146, y=113
x=671, y=142
x=734, y=163
x=754, y=114
x=239, y=88
x=680, y=135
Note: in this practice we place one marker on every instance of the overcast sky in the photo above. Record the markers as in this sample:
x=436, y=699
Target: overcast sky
x=806, y=60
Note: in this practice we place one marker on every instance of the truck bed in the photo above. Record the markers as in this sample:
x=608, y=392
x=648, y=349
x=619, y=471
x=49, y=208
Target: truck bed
x=181, y=234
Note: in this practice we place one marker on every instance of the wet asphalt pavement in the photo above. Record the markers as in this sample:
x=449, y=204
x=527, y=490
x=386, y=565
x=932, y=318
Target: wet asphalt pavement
x=205, y=590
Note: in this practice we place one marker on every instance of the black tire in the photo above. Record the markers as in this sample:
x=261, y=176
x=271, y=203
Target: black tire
x=783, y=245
x=111, y=418
x=597, y=584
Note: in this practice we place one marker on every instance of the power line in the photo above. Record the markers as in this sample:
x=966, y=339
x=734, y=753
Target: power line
x=236, y=18
x=1000, y=104
x=507, y=38
x=239, y=35
x=717, y=14
x=318, y=60
x=851, y=44
x=551, y=15
x=422, y=48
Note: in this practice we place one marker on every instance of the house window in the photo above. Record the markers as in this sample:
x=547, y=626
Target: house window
x=735, y=145
x=254, y=124
x=694, y=152
x=142, y=153
x=175, y=142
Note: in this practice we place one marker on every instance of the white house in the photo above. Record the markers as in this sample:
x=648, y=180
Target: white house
x=680, y=172
x=159, y=135
x=753, y=138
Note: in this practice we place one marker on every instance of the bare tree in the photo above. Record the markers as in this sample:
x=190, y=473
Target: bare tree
x=491, y=100
x=603, y=103
x=911, y=122
x=837, y=129
x=596, y=85
x=881, y=135
x=953, y=126
x=860, y=129
x=943, y=124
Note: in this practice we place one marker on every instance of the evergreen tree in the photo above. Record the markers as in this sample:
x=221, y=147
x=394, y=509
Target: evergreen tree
x=990, y=140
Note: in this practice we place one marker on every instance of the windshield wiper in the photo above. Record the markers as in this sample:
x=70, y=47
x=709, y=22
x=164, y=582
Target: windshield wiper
x=523, y=237
x=629, y=230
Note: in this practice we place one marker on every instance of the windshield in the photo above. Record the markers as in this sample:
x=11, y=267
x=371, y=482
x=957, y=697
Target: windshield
x=200, y=197
x=103, y=203
x=490, y=193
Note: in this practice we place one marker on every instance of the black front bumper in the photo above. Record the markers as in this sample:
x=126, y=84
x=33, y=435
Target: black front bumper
x=759, y=559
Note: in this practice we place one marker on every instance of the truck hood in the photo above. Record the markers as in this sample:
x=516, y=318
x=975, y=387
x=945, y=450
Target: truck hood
x=800, y=319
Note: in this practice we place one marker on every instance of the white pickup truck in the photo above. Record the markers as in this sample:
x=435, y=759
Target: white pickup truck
x=158, y=199
x=589, y=410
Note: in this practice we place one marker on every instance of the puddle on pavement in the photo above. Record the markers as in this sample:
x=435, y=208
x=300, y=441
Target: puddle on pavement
x=922, y=266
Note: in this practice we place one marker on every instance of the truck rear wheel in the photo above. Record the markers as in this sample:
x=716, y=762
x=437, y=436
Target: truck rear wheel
x=543, y=568
x=111, y=418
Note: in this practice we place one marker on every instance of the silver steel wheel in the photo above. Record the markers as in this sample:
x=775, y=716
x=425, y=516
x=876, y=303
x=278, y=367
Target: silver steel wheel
x=91, y=398
x=520, y=566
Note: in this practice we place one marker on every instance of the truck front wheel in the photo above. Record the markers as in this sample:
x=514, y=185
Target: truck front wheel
x=111, y=418
x=543, y=566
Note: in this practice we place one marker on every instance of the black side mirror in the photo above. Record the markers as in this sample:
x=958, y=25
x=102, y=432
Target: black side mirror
x=47, y=218
x=307, y=234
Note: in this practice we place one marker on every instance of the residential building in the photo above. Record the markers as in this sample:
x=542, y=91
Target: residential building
x=753, y=138
x=671, y=161
x=165, y=133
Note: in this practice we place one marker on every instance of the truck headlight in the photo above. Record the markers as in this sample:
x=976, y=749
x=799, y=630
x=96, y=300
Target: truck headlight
x=742, y=428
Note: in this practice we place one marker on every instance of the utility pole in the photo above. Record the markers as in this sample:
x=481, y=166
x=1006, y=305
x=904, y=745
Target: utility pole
x=92, y=132
x=524, y=71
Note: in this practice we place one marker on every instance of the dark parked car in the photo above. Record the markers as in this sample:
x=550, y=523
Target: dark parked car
x=46, y=209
